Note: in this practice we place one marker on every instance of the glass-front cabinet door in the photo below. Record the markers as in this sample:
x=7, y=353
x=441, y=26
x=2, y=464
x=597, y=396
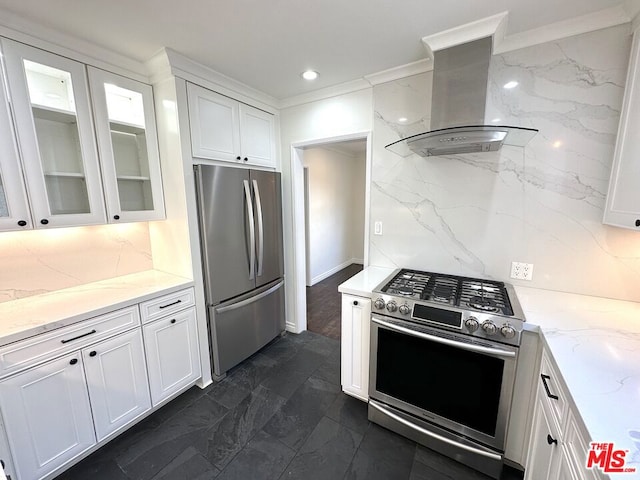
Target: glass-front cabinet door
x=128, y=145
x=50, y=95
x=14, y=209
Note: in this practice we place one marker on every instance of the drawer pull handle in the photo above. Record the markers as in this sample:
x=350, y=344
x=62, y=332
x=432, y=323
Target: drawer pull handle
x=170, y=304
x=551, y=440
x=546, y=387
x=73, y=361
x=173, y=320
x=79, y=336
x=93, y=353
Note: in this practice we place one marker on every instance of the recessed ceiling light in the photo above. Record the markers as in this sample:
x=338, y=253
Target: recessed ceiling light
x=310, y=75
x=511, y=84
x=557, y=144
x=402, y=119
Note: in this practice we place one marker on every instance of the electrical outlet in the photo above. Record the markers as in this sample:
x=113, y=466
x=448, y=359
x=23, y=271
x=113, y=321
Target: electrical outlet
x=522, y=271
x=377, y=228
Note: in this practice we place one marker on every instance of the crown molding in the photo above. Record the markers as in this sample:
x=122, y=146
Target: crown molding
x=485, y=27
x=13, y=26
x=395, y=73
x=609, y=17
x=169, y=62
x=324, y=93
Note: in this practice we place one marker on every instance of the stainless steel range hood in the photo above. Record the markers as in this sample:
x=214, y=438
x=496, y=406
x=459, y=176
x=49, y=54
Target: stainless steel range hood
x=458, y=101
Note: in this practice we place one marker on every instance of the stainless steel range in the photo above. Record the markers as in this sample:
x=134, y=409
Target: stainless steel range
x=443, y=359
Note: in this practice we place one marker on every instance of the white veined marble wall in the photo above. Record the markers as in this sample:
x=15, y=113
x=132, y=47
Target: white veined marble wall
x=34, y=262
x=474, y=214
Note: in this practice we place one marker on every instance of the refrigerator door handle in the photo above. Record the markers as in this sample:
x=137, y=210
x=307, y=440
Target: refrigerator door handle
x=252, y=231
x=256, y=191
x=248, y=301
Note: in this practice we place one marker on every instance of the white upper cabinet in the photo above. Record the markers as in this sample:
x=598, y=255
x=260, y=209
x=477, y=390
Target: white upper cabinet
x=257, y=136
x=128, y=145
x=623, y=198
x=14, y=209
x=50, y=98
x=215, y=125
x=225, y=129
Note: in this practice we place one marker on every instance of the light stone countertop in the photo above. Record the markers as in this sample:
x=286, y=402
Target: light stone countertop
x=363, y=282
x=594, y=342
x=30, y=316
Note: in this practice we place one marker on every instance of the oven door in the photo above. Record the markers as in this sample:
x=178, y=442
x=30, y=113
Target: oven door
x=455, y=381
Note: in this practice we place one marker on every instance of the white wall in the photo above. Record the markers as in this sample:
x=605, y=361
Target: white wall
x=474, y=214
x=335, y=211
x=340, y=116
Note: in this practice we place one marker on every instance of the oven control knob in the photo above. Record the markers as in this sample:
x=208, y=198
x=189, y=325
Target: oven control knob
x=404, y=309
x=472, y=324
x=489, y=327
x=392, y=306
x=379, y=303
x=508, y=331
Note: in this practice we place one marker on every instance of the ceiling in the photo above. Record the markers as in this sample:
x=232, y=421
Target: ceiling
x=267, y=44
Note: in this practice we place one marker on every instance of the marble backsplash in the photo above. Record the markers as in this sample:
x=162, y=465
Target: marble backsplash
x=34, y=262
x=474, y=214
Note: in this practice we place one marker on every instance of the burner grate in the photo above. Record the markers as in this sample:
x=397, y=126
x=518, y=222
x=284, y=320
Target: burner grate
x=485, y=296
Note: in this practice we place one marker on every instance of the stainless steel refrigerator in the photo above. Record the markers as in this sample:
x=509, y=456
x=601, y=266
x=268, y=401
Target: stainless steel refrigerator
x=240, y=216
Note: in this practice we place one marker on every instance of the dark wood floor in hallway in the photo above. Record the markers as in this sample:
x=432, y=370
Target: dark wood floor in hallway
x=323, y=303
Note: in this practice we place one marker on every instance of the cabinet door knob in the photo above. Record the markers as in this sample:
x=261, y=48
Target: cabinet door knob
x=638, y=223
x=73, y=361
x=116, y=217
x=551, y=440
x=22, y=223
x=355, y=302
x=44, y=221
x=173, y=320
x=93, y=353
x=238, y=157
x=246, y=159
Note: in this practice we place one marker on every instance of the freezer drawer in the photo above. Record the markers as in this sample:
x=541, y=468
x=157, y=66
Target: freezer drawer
x=241, y=327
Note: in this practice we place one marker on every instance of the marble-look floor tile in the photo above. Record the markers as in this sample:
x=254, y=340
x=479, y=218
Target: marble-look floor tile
x=382, y=455
x=263, y=458
x=240, y=424
x=350, y=412
x=326, y=454
x=293, y=423
x=189, y=465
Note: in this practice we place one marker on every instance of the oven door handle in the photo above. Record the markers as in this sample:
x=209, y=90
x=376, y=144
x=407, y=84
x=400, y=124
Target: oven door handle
x=462, y=345
x=434, y=435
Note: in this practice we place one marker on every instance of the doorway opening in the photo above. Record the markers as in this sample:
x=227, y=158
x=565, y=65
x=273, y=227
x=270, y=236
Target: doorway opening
x=331, y=210
x=334, y=180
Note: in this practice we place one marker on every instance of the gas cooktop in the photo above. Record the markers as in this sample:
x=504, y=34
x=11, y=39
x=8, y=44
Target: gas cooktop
x=484, y=308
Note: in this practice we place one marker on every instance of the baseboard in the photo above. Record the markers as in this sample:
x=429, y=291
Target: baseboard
x=336, y=269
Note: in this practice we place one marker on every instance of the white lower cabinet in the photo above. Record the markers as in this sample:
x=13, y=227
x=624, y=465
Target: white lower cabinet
x=559, y=441
x=354, y=360
x=47, y=416
x=173, y=357
x=66, y=392
x=117, y=381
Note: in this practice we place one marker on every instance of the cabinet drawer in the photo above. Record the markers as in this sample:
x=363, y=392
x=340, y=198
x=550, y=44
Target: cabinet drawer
x=553, y=393
x=166, y=305
x=20, y=355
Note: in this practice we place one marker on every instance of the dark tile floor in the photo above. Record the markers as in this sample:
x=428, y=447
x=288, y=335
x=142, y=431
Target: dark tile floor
x=323, y=303
x=279, y=415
